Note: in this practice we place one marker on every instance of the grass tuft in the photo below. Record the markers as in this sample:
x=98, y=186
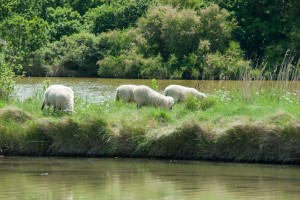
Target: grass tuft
x=187, y=141
x=194, y=104
x=14, y=114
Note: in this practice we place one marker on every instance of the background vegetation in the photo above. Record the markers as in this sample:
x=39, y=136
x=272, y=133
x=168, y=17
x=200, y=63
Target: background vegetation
x=179, y=39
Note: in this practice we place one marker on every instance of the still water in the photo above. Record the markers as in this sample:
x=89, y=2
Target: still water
x=138, y=179
x=99, y=89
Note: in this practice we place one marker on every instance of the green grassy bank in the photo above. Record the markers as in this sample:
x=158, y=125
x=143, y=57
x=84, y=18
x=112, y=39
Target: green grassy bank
x=227, y=126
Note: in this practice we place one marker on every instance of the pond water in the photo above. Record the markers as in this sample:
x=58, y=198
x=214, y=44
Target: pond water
x=103, y=178
x=99, y=89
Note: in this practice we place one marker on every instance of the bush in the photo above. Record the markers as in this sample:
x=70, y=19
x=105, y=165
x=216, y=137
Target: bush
x=115, y=15
x=195, y=104
x=170, y=31
x=189, y=41
x=116, y=42
x=63, y=21
x=6, y=79
x=229, y=65
x=22, y=37
x=75, y=55
x=131, y=65
x=216, y=27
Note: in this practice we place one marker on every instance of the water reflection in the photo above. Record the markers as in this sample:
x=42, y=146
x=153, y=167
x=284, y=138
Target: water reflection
x=95, y=178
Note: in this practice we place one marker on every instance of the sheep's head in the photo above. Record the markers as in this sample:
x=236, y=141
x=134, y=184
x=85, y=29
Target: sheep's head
x=170, y=102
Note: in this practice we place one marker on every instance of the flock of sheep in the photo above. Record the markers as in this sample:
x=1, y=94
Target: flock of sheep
x=62, y=97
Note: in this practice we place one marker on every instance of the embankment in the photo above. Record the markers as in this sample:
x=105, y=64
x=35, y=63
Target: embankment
x=152, y=134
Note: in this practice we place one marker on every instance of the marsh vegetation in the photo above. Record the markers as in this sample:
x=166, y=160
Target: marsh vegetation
x=250, y=123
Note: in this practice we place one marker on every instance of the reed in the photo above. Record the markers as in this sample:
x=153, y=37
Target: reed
x=279, y=82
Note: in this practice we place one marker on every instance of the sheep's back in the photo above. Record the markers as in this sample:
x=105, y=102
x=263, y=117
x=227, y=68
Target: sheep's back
x=60, y=96
x=125, y=92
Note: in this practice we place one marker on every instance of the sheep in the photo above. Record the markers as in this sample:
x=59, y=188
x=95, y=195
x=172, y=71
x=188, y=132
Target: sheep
x=144, y=95
x=125, y=93
x=60, y=96
x=179, y=93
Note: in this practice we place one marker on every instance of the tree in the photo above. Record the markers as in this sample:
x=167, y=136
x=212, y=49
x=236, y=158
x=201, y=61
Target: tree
x=170, y=31
x=6, y=78
x=82, y=6
x=184, y=37
x=23, y=37
x=216, y=27
x=263, y=23
x=115, y=15
x=74, y=55
x=63, y=21
x=193, y=4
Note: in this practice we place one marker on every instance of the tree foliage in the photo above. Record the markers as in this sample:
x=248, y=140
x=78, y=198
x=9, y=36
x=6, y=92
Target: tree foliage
x=7, y=76
x=71, y=56
x=22, y=37
x=63, y=21
x=189, y=39
x=265, y=24
x=115, y=15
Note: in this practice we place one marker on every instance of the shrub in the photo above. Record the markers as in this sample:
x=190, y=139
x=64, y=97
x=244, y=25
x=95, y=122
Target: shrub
x=6, y=79
x=229, y=65
x=115, y=15
x=192, y=103
x=216, y=27
x=171, y=31
x=75, y=55
x=63, y=21
x=130, y=65
x=22, y=37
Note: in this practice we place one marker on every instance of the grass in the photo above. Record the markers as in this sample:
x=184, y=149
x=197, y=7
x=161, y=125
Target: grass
x=258, y=126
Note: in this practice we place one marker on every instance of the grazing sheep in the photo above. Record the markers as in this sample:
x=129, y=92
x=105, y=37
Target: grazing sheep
x=144, y=95
x=125, y=93
x=179, y=93
x=60, y=96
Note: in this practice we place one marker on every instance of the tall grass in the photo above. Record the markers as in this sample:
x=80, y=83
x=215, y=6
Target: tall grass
x=254, y=80
x=224, y=126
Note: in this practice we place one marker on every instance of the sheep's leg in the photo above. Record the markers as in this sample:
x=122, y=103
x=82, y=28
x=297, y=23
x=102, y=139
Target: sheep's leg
x=117, y=97
x=43, y=105
x=54, y=108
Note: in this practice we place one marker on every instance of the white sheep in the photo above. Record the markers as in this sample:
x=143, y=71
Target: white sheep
x=179, y=93
x=60, y=96
x=144, y=95
x=125, y=93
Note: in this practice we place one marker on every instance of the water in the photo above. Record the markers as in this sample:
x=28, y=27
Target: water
x=99, y=89
x=99, y=178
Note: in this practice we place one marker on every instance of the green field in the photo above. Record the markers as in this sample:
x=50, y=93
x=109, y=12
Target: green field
x=253, y=126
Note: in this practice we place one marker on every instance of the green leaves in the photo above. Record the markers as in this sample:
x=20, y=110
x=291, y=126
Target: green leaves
x=115, y=15
x=22, y=37
x=6, y=79
x=63, y=21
